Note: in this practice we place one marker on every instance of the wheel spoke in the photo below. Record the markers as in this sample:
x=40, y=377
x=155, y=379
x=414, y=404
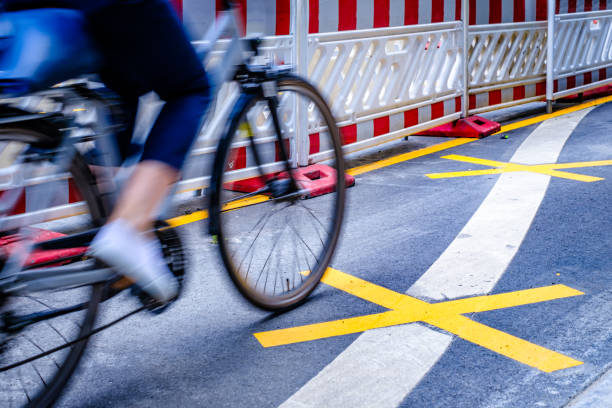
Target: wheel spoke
x=266, y=217
x=265, y=255
x=309, y=211
x=47, y=333
x=244, y=197
x=276, y=241
x=25, y=390
x=302, y=240
x=29, y=340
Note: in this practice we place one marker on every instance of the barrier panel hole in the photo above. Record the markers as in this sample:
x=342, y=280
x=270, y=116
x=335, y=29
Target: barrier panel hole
x=313, y=175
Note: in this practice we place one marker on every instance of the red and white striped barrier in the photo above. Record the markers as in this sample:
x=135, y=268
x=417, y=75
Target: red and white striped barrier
x=507, y=57
x=500, y=33
x=390, y=68
x=578, y=6
x=265, y=17
x=374, y=94
x=346, y=15
x=581, y=51
x=483, y=12
x=495, y=80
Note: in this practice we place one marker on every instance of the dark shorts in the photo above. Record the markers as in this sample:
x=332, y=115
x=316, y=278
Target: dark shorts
x=146, y=49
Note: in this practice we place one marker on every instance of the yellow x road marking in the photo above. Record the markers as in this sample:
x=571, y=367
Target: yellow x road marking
x=502, y=167
x=444, y=315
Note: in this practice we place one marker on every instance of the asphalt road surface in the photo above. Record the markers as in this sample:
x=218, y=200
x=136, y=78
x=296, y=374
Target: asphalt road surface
x=473, y=274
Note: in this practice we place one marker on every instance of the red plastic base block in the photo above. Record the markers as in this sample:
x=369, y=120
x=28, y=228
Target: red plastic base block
x=593, y=93
x=318, y=179
x=474, y=126
x=9, y=243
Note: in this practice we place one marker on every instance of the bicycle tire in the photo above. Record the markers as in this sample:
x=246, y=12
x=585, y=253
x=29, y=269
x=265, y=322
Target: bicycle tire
x=220, y=215
x=38, y=134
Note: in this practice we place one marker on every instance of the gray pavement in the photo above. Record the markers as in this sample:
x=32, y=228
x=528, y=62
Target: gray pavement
x=400, y=224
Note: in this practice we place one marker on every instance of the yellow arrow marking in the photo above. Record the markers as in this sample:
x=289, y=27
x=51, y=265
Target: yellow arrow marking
x=503, y=167
x=444, y=315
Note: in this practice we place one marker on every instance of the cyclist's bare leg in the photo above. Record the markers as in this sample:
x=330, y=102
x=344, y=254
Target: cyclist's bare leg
x=146, y=50
x=144, y=192
x=126, y=242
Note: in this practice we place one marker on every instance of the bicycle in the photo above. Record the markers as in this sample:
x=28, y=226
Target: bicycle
x=274, y=244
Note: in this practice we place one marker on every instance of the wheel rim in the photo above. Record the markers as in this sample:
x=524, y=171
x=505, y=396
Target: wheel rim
x=276, y=250
x=38, y=383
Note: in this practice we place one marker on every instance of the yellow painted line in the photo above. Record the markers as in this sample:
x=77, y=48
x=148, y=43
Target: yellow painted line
x=188, y=218
x=570, y=176
x=335, y=328
x=505, y=344
x=466, y=173
x=595, y=163
x=542, y=118
x=503, y=167
x=200, y=215
x=505, y=300
x=475, y=160
x=362, y=289
x=203, y=214
x=444, y=315
x=407, y=156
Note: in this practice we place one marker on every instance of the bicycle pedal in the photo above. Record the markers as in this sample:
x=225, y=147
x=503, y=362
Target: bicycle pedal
x=152, y=305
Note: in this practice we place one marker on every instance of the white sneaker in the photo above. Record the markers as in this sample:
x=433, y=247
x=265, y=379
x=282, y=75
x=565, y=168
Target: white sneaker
x=138, y=258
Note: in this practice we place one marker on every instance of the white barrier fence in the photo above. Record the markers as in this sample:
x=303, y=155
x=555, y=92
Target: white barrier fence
x=508, y=58
x=366, y=79
x=582, y=55
x=390, y=68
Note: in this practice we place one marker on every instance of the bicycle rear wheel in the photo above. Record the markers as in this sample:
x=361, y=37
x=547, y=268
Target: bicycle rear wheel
x=38, y=383
x=275, y=244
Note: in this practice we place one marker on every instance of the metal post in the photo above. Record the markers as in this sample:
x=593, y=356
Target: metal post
x=466, y=82
x=550, y=57
x=299, y=24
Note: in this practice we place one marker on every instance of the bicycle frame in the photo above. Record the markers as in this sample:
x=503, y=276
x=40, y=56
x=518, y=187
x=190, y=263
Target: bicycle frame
x=14, y=280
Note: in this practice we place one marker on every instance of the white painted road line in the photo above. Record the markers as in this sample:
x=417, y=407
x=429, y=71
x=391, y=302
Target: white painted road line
x=599, y=394
x=382, y=366
x=478, y=257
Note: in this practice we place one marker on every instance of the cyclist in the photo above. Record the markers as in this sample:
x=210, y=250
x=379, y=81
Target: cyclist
x=144, y=48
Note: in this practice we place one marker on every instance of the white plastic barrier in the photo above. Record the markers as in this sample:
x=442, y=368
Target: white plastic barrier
x=374, y=93
x=390, y=68
x=506, y=53
x=582, y=55
x=506, y=65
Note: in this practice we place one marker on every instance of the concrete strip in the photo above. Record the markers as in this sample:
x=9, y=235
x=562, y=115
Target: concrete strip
x=382, y=366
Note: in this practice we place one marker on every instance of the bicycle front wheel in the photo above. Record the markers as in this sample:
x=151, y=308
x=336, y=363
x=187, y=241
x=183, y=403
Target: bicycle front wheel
x=49, y=319
x=277, y=241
